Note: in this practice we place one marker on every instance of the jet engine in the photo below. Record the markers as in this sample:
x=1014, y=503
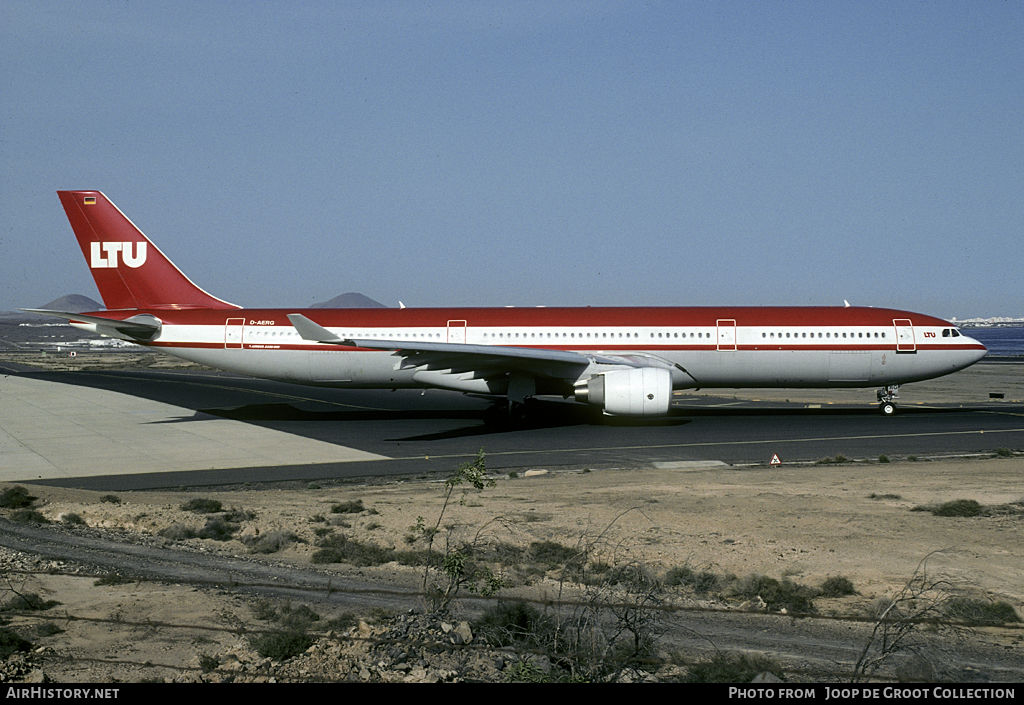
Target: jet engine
x=637, y=391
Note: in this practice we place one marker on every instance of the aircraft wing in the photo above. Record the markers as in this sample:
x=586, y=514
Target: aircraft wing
x=461, y=357
x=141, y=327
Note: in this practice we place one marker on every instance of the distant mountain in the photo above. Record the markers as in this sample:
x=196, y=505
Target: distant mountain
x=76, y=303
x=350, y=300
x=73, y=303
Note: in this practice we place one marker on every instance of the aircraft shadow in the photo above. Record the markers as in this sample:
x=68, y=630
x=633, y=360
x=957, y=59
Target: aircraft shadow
x=283, y=411
x=541, y=415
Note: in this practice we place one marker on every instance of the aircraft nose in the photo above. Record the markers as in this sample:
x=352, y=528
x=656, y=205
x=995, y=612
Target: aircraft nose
x=977, y=352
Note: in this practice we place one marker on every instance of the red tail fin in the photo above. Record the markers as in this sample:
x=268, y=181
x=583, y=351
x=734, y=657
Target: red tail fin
x=129, y=270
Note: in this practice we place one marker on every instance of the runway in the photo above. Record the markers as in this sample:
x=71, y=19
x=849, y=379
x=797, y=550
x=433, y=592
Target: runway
x=138, y=429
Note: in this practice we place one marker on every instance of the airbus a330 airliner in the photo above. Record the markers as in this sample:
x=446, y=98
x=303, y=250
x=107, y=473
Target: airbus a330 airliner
x=627, y=361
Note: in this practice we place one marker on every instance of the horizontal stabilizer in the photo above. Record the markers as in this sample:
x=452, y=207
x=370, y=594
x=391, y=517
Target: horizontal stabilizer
x=142, y=327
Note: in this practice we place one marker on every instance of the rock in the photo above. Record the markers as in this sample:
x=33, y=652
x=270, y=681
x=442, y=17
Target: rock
x=916, y=669
x=464, y=633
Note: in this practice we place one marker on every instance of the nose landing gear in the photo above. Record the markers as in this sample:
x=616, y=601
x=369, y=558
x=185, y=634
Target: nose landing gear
x=887, y=399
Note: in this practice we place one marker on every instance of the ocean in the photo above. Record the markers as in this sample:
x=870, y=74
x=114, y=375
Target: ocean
x=1001, y=341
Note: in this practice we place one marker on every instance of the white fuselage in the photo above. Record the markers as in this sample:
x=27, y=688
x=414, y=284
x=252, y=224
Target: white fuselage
x=722, y=353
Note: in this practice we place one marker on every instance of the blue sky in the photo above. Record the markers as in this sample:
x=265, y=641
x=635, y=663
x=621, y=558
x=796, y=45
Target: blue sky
x=527, y=153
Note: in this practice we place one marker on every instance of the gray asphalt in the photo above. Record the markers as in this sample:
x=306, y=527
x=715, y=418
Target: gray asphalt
x=122, y=430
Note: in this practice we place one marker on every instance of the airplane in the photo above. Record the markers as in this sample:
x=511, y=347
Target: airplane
x=627, y=361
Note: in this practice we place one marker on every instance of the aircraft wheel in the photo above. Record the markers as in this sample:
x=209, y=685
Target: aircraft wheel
x=504, y=415
x=887, y=408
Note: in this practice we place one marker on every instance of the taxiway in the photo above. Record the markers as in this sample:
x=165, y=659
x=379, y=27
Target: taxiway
x=139, y=429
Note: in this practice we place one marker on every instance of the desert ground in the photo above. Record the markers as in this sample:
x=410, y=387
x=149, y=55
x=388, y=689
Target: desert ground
x=804, y=523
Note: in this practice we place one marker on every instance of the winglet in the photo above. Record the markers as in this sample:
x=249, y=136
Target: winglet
x=308, y=330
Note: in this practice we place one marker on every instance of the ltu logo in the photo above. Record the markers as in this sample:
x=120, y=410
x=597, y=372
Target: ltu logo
x=98, y=261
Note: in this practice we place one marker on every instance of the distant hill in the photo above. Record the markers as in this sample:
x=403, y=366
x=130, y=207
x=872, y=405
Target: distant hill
x=350, y=300
x=76, y=303
x=73, y=303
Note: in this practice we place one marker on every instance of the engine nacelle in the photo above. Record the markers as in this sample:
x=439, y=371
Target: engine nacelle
x=638, y=391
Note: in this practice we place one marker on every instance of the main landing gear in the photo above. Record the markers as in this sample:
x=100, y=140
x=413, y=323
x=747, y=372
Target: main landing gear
x=508, y=413
x=887, y=399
